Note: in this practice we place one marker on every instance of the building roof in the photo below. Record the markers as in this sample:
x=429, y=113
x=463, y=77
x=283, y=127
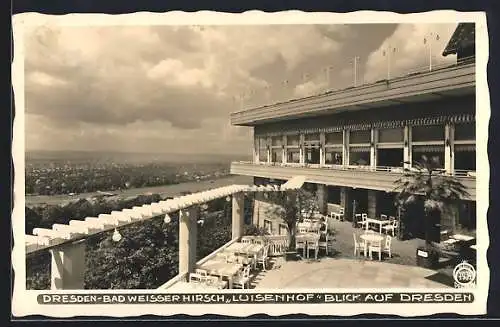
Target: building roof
x=464, y=36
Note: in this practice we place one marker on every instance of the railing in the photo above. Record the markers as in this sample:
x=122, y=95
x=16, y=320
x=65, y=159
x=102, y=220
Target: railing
x=259, y=101
x=389, y=169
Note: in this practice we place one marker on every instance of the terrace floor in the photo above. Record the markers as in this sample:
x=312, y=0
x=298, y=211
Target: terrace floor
x=345, y=273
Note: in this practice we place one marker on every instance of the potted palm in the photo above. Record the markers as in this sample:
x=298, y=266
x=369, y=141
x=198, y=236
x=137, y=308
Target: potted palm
x=426, y=181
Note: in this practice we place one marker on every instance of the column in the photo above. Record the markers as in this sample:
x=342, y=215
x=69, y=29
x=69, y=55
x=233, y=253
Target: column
x=321, y=149
x=449, y=148
x=238, y=215
x=68, y=266
x=301, y=144
x=373, y=147
x=256, y=147
x=346, y=202
x=188, y=225
x=372, y=204
x=268, y=149
x=284, y=148
x=322, y=198
x=407, y=147
x=345, y=148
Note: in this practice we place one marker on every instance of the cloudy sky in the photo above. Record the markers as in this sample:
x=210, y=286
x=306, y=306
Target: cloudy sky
x=171, y=88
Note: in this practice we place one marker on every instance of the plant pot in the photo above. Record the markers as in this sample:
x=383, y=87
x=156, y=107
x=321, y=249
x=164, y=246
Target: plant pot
x=427, y=258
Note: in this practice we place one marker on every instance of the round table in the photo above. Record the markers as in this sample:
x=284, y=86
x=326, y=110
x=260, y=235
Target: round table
x=372, y=238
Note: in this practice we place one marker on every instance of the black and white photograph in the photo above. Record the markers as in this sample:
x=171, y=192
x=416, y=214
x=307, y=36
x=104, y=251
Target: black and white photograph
x=266, y=159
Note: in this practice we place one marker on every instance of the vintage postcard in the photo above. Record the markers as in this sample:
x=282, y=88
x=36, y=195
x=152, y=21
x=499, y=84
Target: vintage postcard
x=236, y=164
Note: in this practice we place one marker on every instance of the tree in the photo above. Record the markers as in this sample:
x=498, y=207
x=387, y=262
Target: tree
x=428, y=182
x=293, y=206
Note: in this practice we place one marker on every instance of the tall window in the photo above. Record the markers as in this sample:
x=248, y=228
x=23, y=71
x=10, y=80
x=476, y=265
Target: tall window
x=359, y=147
x=465, y=147
x=428, y=141
x=268, y=226
x=390, y=147
x=333, y=148
x=262, y=149
x=277, y=149
x=312, y=148
x=293, y=148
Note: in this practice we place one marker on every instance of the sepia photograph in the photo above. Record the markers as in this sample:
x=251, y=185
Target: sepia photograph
x=244, y=158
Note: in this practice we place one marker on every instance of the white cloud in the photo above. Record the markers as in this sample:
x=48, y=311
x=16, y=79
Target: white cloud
x=411, y=53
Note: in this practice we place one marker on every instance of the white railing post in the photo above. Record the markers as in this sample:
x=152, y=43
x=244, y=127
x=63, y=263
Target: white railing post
x=188, y=225
x=407, y=155
x=373, y=147
x=449, y=148
x=68, y=266
x=238, y=215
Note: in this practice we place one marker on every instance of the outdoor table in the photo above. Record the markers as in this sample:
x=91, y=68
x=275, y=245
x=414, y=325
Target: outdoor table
x=238, y=247
x=222, y=269
x=305, y=237
x=370, y=238
x=460, y=237
x=378, y=222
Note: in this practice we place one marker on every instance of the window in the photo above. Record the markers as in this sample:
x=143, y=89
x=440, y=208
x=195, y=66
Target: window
x=312, y=155
x=333, y=156
x=293, y=140
x=390, y=135
x=359, y=156
x=465, y=157
x=432, y=152
x=360, y=137
x=276, y=155
x=334, y=138
x=333, y=194
x=262, y=143
x=314, y=137
x=465, y=132
x=293, y=155
x=390, y=157
x=263, y=155
x=268, y=226
x=276, y=141
x=427, y=133
x=283, y=229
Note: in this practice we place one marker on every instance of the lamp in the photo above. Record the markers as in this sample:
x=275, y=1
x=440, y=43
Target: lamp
x=228, y=199
x=167, y=219
x=116, y=236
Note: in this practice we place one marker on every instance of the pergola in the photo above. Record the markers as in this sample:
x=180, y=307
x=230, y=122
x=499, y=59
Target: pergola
x=66, y=242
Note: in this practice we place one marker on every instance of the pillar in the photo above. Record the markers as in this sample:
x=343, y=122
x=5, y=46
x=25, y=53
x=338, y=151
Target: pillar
x=322, y=198
x=407, y=156
x=321, y=149
x=256, y=147
x=188, y=225
x=346, y=202
x=268, y=149
x=345, y=147
x=302, y=155
x=372, y=204
x=373, y=148
x=449, y=148
x=238, y=215
x=68, y=266
x=283, y=147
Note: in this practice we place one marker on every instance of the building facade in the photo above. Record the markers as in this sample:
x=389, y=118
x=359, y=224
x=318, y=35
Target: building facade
x=354, y=143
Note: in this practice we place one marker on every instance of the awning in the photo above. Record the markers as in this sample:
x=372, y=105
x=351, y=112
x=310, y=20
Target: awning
x=428, y=148
x=359, y=149
x=294, y=183
x=465, y=147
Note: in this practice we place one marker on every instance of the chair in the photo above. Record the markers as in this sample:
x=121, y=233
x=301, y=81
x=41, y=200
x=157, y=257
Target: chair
x=391, y=228
x=217, y=282
x=360, y=221
x=359, y=246
x=246, y=240
x=242, y=278
x=307, y=221
x=262, y=257
x=313, y=245
x=301, y=245
x=383, y=217
x=375, y=247
x=201, y=272
x=302, y=229
x=323, y=243
x=387, y=246
x=339, y=215
x=196, y=278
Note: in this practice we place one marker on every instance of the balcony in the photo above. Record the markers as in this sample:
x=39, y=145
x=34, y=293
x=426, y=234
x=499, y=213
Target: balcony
x=454, y=80
x=374, y=178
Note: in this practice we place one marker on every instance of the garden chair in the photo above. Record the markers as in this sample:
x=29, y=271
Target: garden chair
x=391, y=228
x=262, y=257
x=375, y=247
x=242, y=279
x=387, y=246
x=246, y=240
x=323, y=242
x=359, y=245
x=313, y=245
x=301, y=245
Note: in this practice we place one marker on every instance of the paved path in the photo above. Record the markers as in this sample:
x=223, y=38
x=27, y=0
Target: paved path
x=345, y=273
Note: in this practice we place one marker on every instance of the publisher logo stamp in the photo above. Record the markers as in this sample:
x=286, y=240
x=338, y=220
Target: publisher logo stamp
x=464, y=275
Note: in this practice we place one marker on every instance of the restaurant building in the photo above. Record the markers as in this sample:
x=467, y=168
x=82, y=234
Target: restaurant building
x=352, y=144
